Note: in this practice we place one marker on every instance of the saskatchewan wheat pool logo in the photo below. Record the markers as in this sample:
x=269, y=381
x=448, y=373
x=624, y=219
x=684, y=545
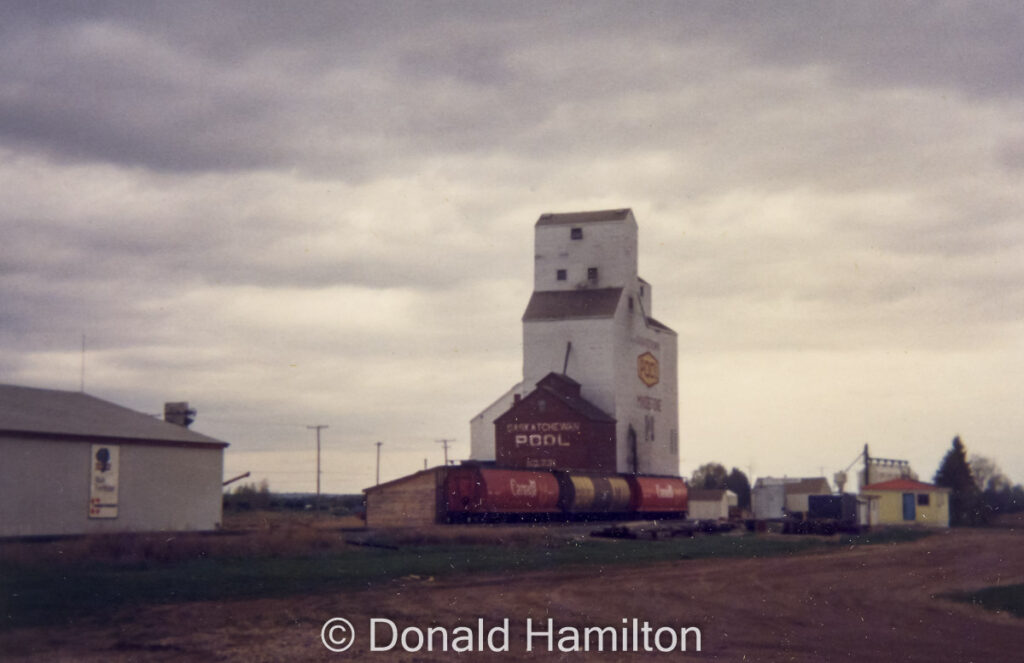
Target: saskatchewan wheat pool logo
x=647, y=369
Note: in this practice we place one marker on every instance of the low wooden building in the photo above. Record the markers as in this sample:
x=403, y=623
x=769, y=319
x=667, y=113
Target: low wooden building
x=416, y=500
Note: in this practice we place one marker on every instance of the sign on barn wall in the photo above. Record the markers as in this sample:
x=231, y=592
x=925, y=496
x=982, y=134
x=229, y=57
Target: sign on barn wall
x=554, y=428
x=539, y=445
x=528, y=440
x=647, y=369
x=105, y=459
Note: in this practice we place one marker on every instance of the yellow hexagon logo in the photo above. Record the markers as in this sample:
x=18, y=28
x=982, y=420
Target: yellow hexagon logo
x=647, y=369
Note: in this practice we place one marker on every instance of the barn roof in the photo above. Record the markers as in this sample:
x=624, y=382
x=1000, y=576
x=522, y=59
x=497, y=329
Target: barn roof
x=706, y=494
x=436, y=470
x=796, y=485
x=577, y=403
x=569, y=304
x=53, y=413
x=902, y=484
x=548, y=305
x=808, y=486
x=571, y=218
x=567, y=391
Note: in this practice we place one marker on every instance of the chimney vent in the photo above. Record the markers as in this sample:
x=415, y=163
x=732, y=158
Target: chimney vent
x=179, y=413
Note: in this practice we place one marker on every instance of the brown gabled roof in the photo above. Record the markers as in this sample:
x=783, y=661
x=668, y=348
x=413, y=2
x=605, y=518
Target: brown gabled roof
x=813, y=486
x=567, y=391
x=387, y=484
x=706, y=494
x=561, y=383
x=568, y=304
x=579, y=405
x=71, y=414
x=583, y=217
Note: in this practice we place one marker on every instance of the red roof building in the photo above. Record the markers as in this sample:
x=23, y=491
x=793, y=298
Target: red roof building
x=907, y=502
x=904, y=484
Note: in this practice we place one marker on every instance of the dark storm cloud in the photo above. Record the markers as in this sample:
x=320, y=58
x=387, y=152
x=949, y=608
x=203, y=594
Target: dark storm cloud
x=314, y=211
x=101, y=92
x=333, y=89
x=965, y=46
x=205, y=251
x=344, y=88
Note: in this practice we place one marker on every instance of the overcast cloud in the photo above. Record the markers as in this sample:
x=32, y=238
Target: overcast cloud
x=298, y=214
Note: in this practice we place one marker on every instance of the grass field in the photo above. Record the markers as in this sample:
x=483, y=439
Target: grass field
x=264, y=592
x=98, y=577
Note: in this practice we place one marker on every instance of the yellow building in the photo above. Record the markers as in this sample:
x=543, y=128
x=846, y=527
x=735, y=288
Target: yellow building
x=906, y=501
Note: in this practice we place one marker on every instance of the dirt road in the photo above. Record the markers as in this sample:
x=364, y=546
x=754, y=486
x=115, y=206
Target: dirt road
x=872, y=603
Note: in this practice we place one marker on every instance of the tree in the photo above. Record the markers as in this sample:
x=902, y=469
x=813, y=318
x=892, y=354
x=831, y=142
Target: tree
x=248, y=496
x=1015, y=499
x=738, y=483
x=998, y=494
x=965, y=506
x=987, y=475
x=709, y=475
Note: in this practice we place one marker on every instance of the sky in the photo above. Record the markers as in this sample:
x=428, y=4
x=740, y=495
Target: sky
x=299, y=214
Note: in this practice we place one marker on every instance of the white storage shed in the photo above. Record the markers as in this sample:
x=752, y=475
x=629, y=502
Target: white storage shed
x=76, y=464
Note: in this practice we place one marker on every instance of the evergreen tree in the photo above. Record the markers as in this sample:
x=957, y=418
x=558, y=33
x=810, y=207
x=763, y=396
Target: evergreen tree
x=738, y=483
x=965, y=505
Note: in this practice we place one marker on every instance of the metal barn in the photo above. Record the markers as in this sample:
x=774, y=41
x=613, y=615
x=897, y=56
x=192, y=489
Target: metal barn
x=71, y=463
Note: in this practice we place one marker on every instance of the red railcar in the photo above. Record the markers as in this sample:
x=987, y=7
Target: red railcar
x=657, y=495
x=476, y=491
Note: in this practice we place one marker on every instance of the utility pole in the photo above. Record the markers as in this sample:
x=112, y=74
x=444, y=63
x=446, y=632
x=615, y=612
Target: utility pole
x=317, y=428
x=81, y=383
x=445, y=443
x=378, y=462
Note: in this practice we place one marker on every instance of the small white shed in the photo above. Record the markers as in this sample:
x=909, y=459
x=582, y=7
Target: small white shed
x=710, y=504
